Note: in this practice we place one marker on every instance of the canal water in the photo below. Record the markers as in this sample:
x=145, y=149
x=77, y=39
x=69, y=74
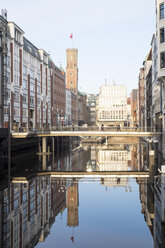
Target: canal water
x=45, y=211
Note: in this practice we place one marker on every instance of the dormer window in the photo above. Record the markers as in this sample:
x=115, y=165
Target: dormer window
x=17, y=36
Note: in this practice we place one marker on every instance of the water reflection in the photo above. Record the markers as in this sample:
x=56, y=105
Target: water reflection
x=113, y=158
x=30, y=206
x=153, y=207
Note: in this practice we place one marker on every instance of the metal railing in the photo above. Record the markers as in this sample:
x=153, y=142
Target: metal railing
x=85, y=129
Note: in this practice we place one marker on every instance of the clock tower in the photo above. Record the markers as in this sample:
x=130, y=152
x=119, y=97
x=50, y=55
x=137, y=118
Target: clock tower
x=72, y=70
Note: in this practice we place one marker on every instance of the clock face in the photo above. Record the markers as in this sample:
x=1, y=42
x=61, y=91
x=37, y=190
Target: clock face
x=71, y=74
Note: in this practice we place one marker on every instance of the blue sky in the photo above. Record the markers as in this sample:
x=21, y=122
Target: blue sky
x=112, y=37
x=107, y=218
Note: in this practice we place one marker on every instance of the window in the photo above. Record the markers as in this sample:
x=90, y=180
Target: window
x=161, y=35
x=24, y=70
x=162, y=11
x=162, y=60
x=16, y=111
x=31, y=74
x=24, y=99
x=32, y=87
x=25, y=84
x=24, y=197
x=24, y=112
x=16, y=203
x=32, y=100
x=16, y=96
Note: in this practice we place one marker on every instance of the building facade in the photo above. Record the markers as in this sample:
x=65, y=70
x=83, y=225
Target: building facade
x=140, y=99
x=91, y=104
x=83, y=110
x=134, y=94
x=58, y=96
x=3, y=64
x=74, y=108
x=25, y=81
x=68, y=108
x=72, y=70
x=72, y=81
x=112, y=105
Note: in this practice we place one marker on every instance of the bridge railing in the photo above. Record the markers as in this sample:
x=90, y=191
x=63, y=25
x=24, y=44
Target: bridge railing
x=86, y=129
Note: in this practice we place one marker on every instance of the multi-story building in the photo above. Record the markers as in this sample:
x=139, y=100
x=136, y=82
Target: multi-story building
x=83, y=110
x=112, y=105
x=134, y=94
x=68, y=107
x=58, y=96
x=149, y=99
x=3, y=63
x=30, y=83
x=74, y=108
x=91, y=104
x=148, y=90
x=140, y=99
x=128, y=111
x=26, y=86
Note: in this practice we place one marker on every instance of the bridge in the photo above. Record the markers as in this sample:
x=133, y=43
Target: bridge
x=83, y=175
x=85, y=131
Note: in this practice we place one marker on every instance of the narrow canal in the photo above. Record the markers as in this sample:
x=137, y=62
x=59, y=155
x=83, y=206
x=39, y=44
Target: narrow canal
x=117, y=211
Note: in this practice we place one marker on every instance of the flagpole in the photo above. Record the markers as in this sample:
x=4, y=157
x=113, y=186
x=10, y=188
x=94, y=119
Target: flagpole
x=71, y=37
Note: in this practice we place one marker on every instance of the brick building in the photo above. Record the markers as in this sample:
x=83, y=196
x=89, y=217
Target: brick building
x=72, y=81
x=134, y=94
x=58, y=96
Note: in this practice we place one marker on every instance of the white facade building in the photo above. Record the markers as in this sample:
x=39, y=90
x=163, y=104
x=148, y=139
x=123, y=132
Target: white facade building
x=159, y=69
x=68, y=107
x=112, y=105
x=27, y=87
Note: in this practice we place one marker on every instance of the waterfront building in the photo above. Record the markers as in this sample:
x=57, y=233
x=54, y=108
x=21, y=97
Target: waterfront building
x=31, y=84
x=26, y=85
x=3, y=63
x=58, y=96
x=91, y=104
x=128, y=111
x=149, y=94
x=83, y=110
x=148, y=90
x=112, y=106
x=134, y=107
x=68, y=108
x=140, y=99
x=74, y=108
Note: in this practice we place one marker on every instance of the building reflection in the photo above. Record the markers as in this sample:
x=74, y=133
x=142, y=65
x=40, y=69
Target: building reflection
x=72, y=205
x=152, y=198
x=29, y=206
x=116, y=157
x=76, y=160
x=25, y=212
x=113, y=158
x=28, y=213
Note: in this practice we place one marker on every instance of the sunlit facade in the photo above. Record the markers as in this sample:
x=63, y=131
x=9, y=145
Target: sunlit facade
x=112, y=105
